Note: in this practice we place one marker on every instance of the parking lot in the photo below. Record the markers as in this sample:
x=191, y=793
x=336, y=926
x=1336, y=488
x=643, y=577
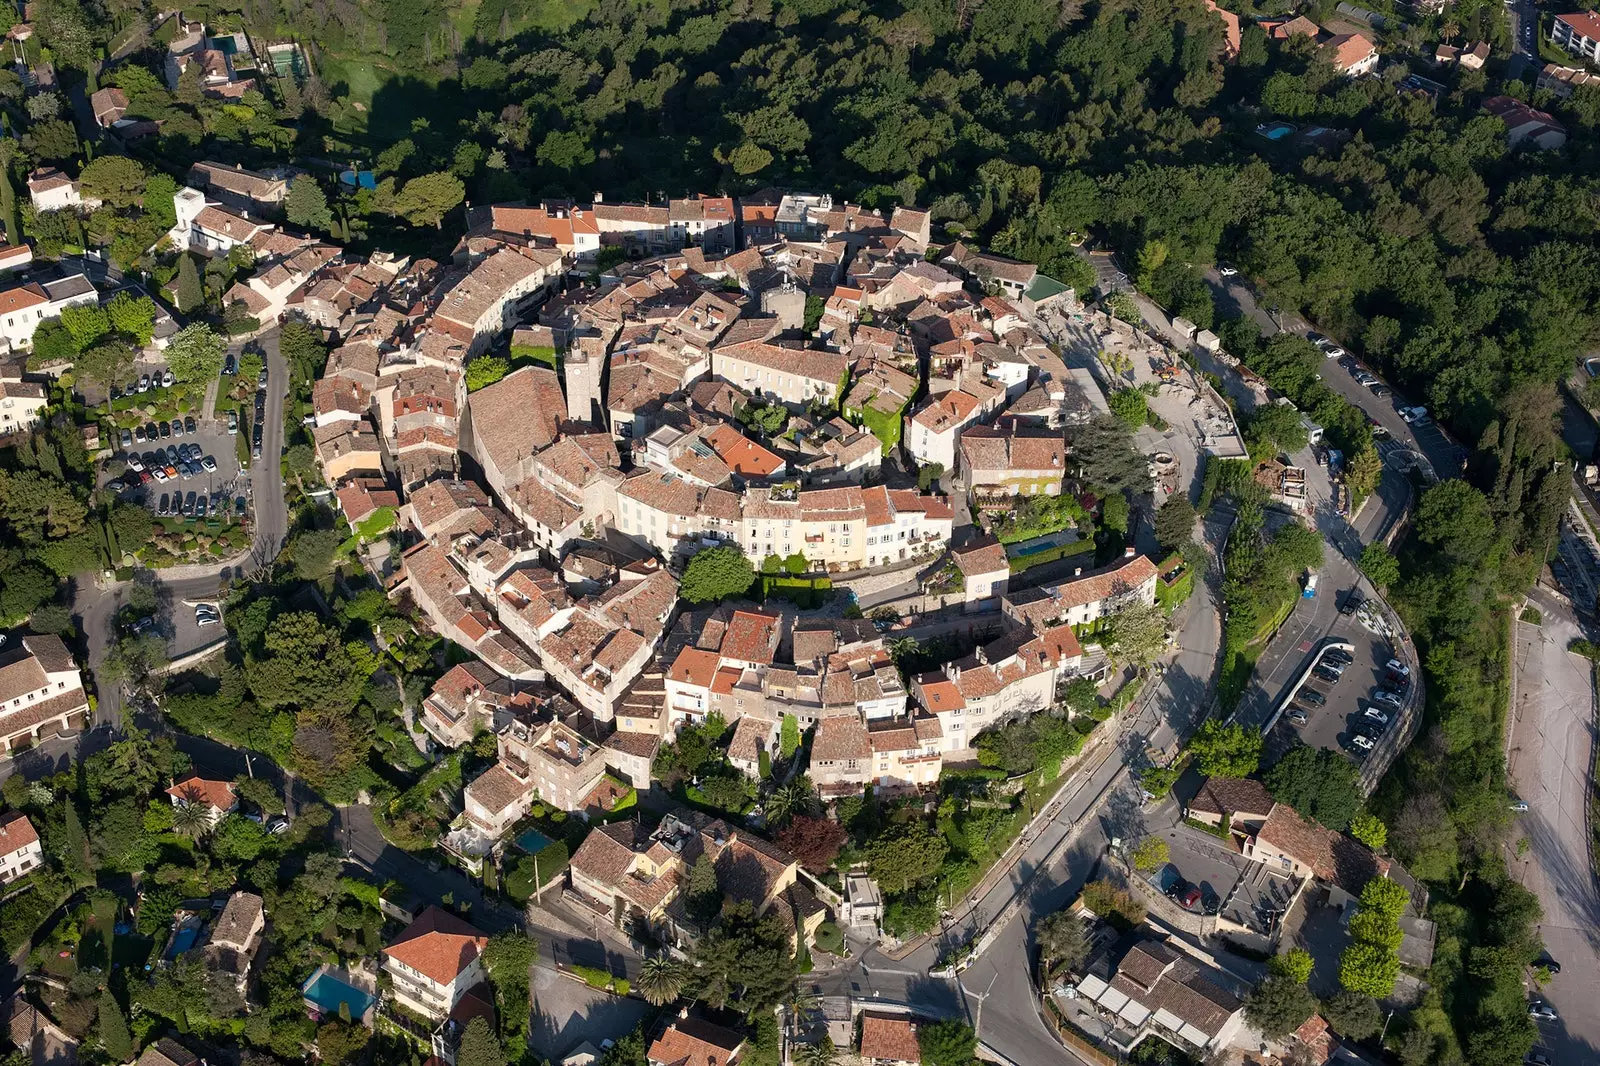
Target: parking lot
x=1336, y=712
x=198, y=461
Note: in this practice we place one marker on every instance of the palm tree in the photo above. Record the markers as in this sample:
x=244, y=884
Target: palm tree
x=661, y=979
x=800, y=1002
x=821, y=1053
x=191, y=818
x=788, y=800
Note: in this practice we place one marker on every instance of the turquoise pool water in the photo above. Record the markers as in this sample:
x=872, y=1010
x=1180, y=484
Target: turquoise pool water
x=183, y=941
x=326, y=992
x=1033, y=549
x=532, y=841
x=1278, y=133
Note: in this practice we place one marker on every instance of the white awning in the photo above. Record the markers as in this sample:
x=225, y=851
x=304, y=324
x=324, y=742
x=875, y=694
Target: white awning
x=1134, y=1013
x=1112, y=1000
x=1195, y=1036
x=1092, y=986
x=1168, y=1020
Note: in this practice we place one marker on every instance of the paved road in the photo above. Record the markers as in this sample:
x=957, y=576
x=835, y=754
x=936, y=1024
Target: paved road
x=1234, y=297
x=1551, y=759
x=1525, y=62
x=1101, y=802
x=96, y=606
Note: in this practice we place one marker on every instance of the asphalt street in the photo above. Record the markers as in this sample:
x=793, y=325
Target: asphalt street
x=1101, y=802
x=1551, y=754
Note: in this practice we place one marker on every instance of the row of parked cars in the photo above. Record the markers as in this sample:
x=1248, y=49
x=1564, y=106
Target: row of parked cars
x=153, y=431
x=146, y=382
x=176, y=460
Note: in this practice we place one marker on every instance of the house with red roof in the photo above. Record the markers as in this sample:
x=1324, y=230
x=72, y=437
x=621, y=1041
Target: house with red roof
x=1578, y=33
x=216, y=798
x=695, y=1042
x=19, y=846
x=436, y=964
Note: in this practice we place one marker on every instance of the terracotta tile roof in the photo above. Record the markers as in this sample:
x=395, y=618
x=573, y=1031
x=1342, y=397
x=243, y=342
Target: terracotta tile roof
x=438, y=945
x=891, y=1037
x=21, y=297
x=518, y=415
x=167, y=1052
x=1348, y=49
x=825, y=367
x=694, y=667
x=487, y=284
x=744, y=456
x=497, y=788
x=947, y=412
x=985, y=557
x=1583, y=23
x=26, y=718
x=234, y=179
x=1333, y=857
x=535, y=499
x=1228, y=795
x=751, y=736
x=751, y=637
x=360, y=498
x=840, y=737
x=238, y=919
x=908, y=501
x=694, y=1042
x=16, y=832
x=51, y=653
x=1090, y=588
x=217, y=795
x=940, y=694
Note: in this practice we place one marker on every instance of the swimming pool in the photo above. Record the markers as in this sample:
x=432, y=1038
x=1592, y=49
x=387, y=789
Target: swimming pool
x=327, y=993
x=1278, y=133
x=183, y=940
x=532, y=841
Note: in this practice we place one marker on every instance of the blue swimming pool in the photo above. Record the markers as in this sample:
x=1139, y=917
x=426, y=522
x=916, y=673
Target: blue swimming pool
x=1032, y=549
x=183, y=941
x=1278, y=133
x=532, y=841
x=327, y=993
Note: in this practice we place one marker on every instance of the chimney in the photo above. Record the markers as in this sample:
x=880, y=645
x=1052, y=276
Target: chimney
x=1077, y=571
x=599, y=198
x=1127, y=553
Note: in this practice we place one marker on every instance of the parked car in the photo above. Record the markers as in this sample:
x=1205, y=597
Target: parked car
x=138, y=434
x=1519, y=806
x=163, y=430
x=1395, y=666
x=209, y=464
x=1333, y=351
x=233, y=421
x=1376, y=715
x=261, y=379
x=1227, y=271
x=1311, y=696
x=200, y=506
x=1337, y=656
x=1383, y=695
x=1546, y=962
x=1330, y=676
x=230, y=365
x=1316, y=338
x=144, y=383
x=1361, y=743
x=1411, y=414
x=1297, y=716
x=1381, y=391
x=189, y=424
x=161, y=507
x=126, y=438
x=167, y=380
x=1540, y=1011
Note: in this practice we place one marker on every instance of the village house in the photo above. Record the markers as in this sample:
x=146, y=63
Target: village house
x=477, y=306
x=791, y=376
x=51, y=190
x=22, y=404
x=23, y=307
x=469, y=698
x=889, y=1039
x=236, y=938
x=1084, y=598
x=689, y=1041
x=548, y=760
x=20, y=850
x=208, y=228
x=985, y=573
x=1526, y=125
x=933, y=430
x=41, y=694
x=217, y=799
x=998, y=464
x=1160, y=992
x=436, y=963
x=246, y=188
x=1352, y=54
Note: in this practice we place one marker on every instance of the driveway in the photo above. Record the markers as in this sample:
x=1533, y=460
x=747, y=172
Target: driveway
x=1551, y=760
x=95, y=605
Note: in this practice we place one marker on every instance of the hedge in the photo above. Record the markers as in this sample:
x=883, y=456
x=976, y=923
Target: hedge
x=595, y=977
x=552, y=864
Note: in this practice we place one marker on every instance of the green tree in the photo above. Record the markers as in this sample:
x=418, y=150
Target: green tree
x=906, y=856
x=1294, y=964
x=341, y=1043
x=1174, y=522
x=789, y=736
x=106, y=365
x=113, y=1024
x=133, y=315
x=1131, y=406
x=52, y=343
x=86, y=322
x=1318, y=783
x=425, y=200
x=188, y=292
x=1226, y=750
x=196, y=353
x=1137, y=634
x=486, y=370
x=114, y=179
x=1062, y=941
x=1151, y=853
x=1278, y=1006
x=1370, y=830
x=1381, y=568
x=821, y=1053
x=716, y=574
x=950, y=1042
x=1353, y=1015
x=307, y=204
x=1278, y=427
